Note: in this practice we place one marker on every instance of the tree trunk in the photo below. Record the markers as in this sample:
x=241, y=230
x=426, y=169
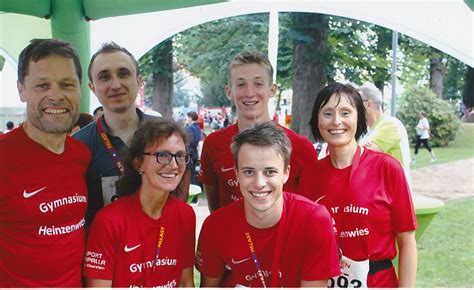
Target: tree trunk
x=163, y=79
x=436, y=72
x=309, y=67
x=468, y=98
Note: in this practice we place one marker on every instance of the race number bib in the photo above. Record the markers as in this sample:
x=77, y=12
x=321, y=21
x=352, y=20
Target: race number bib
x=353, y=274
x=109, y=192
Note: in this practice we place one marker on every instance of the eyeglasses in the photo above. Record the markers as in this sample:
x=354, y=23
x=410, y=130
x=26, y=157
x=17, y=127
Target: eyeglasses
x=165, y=157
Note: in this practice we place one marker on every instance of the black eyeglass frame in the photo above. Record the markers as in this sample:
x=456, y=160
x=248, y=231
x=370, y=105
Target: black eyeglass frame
x=187, y=157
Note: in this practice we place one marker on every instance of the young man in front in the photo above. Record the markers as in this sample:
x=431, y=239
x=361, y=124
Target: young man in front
x=250, y=87
x=268, y=231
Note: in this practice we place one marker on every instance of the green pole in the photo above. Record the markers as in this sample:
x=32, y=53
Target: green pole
x=68, y=23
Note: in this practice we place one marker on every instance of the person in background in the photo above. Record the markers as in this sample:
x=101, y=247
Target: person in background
x=147, y=237
x=43, y=197
x=114, y=78
x=270, y=238
x=98, y=112
x=84, y=120
x=386, y=133
x=422, y=136
x=250, y=86
x=10, y=126
x=366, y=192
x=194, y=132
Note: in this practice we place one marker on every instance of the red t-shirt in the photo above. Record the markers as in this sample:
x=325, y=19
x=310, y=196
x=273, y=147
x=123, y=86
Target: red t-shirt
x=368, y=216
x=217, y=162
x=123, y=241
x=43, y=199
x=308, y=252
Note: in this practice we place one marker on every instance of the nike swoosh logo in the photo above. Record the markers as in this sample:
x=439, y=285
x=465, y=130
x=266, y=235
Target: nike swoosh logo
x=320, y=198
x=226, y=169
x=127, y=249
x=30, y=194
x=239, y=261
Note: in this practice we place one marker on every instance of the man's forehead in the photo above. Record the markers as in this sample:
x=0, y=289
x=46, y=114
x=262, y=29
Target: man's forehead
x=112, y=61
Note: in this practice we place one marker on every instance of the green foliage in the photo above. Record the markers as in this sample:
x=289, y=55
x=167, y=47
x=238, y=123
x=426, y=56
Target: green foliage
x=454, y=79
x=206, y=50
x=444, y=124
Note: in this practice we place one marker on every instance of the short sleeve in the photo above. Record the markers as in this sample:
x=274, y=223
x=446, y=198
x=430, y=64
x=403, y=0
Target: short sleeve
x=321, y=257
x=386, y=136
x=206, y=175
x=403, y=213
x=100, y=251
x=190, y=237
x=208, y=260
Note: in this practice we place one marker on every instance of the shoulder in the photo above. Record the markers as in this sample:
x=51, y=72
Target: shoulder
x=376, y=159
x=223, y=135
x=88, y=134
x=301, y=208
x=183, y=209
x=225, y=216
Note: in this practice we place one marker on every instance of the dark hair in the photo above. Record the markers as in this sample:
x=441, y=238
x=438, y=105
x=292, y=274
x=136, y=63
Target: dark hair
x=84, y=119
x=43, y=48
x=263, y=135
x=423, y=113
x=149, y=132
x=10, y=125
x=338, y=90
x=96, y=110
x=193, y=115
x=250, y=57
x=110, y=47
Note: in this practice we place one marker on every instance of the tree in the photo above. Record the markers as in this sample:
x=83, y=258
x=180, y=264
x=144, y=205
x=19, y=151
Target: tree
x=310, y=32
x=157, y=66
x=436, y=72
x=468, y=98
x=454, y=79
x=205, y=50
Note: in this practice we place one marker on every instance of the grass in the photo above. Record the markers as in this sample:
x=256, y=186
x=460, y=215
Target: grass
x=446, y=250
x=460, y=149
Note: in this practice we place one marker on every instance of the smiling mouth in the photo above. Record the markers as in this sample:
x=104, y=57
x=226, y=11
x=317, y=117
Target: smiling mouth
x=55, y=111
x=260, y=194
x=250, y=103
x=168, y=175
x=337, y=132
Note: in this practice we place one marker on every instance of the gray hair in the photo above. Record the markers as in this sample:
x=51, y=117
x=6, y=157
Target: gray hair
x=370, y=92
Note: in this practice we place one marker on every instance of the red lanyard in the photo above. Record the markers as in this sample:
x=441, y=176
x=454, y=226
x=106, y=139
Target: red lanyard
x=158, y=246
x=277, y=252
x=110, y=148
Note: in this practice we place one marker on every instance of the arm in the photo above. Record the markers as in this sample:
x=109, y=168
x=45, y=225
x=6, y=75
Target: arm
x=187, y=278
x=407, y=259
x=212, y=196
x=210, y=282
x=98, y=283
x=314, y=284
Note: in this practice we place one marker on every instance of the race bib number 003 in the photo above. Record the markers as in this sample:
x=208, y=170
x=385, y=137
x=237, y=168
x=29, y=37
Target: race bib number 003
x=353, y=274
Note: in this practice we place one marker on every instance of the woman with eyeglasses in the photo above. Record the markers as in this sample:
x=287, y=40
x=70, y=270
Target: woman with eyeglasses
x=146, y=238
x=365, y=191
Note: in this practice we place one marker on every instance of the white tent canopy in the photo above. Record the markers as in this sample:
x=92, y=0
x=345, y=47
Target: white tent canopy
x=446, y=25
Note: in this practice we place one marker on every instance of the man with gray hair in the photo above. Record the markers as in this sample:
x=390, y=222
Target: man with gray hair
x=386, y=133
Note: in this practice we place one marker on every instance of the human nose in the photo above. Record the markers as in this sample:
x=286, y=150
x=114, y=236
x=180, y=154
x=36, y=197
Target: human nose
x=116, y=83
x=259, y=180
x=55, y=93
x=337, y=119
